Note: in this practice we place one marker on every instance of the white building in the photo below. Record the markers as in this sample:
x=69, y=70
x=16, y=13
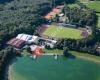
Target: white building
x=24, y=37
x=49, y=42
x=34, y=39
x=28, y=38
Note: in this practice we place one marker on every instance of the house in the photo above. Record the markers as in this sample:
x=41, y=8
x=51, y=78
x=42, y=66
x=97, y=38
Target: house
x=36, y=50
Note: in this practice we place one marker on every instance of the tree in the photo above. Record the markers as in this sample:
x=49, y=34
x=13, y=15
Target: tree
x=65, y=53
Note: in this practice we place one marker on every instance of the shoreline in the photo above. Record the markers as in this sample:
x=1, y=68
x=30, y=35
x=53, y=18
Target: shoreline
x=51, y=54
x=9, y=73
x=88, y=58
x=83, y=56
x=9, y=69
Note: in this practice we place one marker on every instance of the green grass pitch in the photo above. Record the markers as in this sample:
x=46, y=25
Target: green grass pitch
x=63, y=32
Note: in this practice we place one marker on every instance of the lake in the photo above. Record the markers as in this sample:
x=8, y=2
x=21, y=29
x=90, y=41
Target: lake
x=47, y=68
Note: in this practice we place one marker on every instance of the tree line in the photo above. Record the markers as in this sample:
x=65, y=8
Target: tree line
x=6, y=56
x=84, y=45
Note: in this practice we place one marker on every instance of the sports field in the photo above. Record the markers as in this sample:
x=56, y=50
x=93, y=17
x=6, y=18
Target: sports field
x=94, y=5
x=63, y=32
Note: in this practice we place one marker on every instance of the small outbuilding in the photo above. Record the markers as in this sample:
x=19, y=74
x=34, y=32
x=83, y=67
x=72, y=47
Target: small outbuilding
x=36, y=50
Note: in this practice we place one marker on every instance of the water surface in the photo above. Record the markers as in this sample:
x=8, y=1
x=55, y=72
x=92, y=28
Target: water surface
x=46, y=68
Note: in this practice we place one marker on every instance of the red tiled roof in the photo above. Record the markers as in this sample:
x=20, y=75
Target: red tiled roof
x=55, y=11
x=16, y=43
x=38, y=51
x=50, y=15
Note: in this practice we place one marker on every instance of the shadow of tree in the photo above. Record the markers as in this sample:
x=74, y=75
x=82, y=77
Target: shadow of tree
x=69, y=55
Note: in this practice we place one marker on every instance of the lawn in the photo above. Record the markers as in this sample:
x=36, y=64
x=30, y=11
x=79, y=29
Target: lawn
x=63, y=32
x=83, y=1
x=86, y=56
x=51, y=51
x=82, y=55
x=73, y=5
x=94, y=5
x=25, y=53
x=98, y=21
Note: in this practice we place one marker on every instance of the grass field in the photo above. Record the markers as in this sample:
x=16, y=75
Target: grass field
x=51, y=51
x=94, y=5
x=83, y=1
x=62, y=32
x=98, y=20
x=73, y=5
x=86, y=56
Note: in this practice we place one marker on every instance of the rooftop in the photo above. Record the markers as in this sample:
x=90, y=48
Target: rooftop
x=16, y=43
x=54, y=11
